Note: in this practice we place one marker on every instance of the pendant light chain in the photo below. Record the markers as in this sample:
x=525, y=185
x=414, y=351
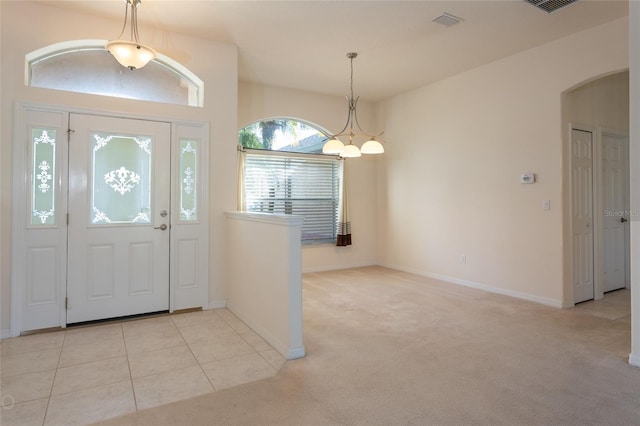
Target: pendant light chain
x=352, y=102
x=351, y=56
x=126, y=15
x=134, y=20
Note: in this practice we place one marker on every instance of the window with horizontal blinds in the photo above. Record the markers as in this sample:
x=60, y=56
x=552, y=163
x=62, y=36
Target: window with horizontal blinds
x=296, y=184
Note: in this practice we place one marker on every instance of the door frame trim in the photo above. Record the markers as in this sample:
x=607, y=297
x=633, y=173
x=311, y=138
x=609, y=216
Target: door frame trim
x=20, y=203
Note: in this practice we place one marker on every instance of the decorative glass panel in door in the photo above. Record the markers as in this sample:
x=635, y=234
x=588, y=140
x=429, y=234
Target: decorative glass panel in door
x=43, y=176
x=119, y=185
x=121, y=181
x=188, y=180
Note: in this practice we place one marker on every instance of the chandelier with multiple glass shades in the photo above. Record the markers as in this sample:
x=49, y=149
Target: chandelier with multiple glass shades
x=132, y=53
x=336, y=146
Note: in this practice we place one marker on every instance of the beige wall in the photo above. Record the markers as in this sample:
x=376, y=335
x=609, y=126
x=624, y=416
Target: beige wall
x=29, y=26
x=256, y=102
x=603, y=102
x=455, y=152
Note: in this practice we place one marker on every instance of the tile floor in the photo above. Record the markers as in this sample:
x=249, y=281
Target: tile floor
x=82, y=375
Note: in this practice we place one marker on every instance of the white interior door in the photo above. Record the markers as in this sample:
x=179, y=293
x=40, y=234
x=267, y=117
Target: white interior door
x=616, y=211
x=582, y=214
x=119, y=211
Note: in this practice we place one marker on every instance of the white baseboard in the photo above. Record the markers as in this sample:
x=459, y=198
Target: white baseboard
x=5, y=333
x=216, y=304
x=453, y=280
x=634, y=359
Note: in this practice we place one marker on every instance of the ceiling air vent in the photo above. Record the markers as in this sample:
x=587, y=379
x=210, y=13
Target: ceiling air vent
x=447, y=19
x=550, y=5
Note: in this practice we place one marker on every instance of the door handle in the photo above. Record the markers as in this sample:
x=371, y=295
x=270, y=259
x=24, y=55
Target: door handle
x=162, y=227
x=623, y=220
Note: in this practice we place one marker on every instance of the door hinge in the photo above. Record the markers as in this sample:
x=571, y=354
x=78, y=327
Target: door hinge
x=66, y=303
x=67, y=218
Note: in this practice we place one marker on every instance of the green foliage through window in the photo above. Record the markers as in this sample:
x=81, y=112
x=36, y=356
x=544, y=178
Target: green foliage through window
x=282, y=134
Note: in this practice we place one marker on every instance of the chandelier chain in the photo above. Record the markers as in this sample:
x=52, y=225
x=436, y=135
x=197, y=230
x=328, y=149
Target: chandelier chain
x=126, y=15
x=134, y=20
x=351, y=56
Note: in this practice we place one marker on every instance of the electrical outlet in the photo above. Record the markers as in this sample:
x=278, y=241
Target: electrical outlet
x=463, y=258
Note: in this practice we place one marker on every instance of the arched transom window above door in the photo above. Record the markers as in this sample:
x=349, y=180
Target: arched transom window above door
x=85, y=66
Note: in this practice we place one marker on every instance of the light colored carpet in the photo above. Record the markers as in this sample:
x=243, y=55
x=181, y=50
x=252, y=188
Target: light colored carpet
x=390, y=348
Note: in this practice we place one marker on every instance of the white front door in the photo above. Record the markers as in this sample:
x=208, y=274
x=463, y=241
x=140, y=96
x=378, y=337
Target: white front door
x=582, y=214
x=119, y=217
x=616, y=214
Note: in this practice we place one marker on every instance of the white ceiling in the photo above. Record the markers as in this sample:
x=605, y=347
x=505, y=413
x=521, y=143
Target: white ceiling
x=302, y=44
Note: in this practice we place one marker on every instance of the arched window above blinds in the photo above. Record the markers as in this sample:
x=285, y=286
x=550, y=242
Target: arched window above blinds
x=283, y=134
x=85, y=66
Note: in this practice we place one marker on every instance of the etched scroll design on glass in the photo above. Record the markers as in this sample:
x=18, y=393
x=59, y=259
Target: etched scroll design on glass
x=44, y=176
x=43, y=164
x=122, y=180
x=100, y=216
x=188, y=180
x=121, y=170
x=142, y=217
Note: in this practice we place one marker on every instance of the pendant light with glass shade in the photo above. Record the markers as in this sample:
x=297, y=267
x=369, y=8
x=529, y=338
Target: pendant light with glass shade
x=131, y=53
x=349, y=150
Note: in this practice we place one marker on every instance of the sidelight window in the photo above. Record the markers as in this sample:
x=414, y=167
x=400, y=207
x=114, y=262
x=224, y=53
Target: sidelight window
x=43, y=176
